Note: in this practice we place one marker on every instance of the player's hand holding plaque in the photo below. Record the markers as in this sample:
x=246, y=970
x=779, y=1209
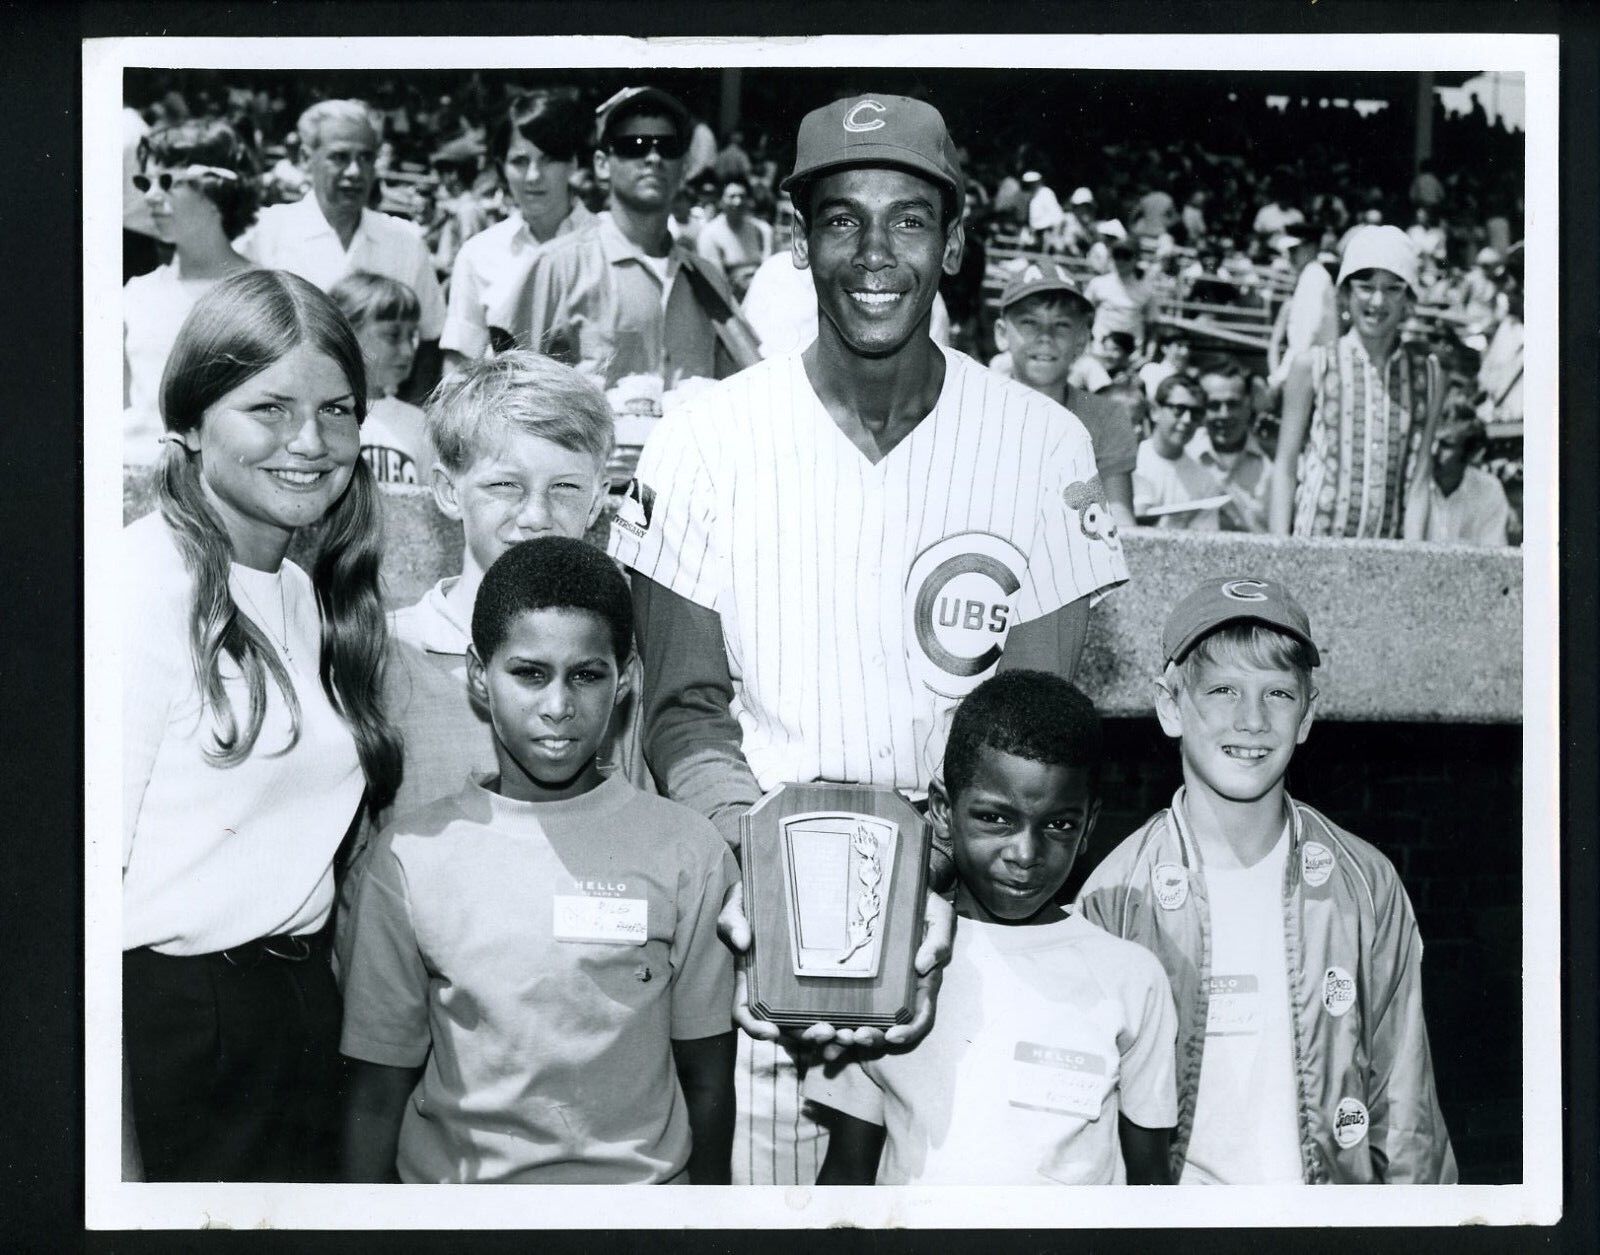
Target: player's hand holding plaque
x=834, y=886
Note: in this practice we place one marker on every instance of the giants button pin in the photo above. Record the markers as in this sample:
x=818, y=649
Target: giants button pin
x=1316, y=863
x=1349, y=1122
x=1170, y=883
x=1338, y=991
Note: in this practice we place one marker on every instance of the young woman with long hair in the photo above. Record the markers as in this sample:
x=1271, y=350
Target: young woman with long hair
x=252, y=731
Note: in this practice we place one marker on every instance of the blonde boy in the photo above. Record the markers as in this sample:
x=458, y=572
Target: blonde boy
x=1291, y=946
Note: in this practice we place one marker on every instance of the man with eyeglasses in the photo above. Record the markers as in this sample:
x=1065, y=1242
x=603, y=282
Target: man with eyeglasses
x=1229, y=450
x=1170, y=489
x=621, y=298
x=537, y=146
x=331, y=233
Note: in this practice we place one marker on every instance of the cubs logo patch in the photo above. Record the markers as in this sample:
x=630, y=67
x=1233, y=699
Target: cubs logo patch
x=958, y=609
x=1338, y=991
x=636, y=508
x=1350, y=1122
x=1170, y=883
x=1245, y=590
x=853, y=120
x=1086, y=498
x=1316, y=863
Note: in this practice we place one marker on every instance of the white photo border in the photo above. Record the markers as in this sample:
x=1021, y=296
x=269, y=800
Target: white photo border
x=112, y=1204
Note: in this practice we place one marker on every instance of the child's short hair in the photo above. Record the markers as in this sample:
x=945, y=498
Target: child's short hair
x=471, y=413
x=1032, y=714
x=1244, y=643
x=551, y=573
x=363, y=297
x=1122, y=340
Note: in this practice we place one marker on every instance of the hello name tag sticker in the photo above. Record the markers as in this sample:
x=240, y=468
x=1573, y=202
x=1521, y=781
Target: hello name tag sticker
x=610, y=921
x=1316, y=863
x=1058, y=1080
x=1170, y=883
x=1233, y=1005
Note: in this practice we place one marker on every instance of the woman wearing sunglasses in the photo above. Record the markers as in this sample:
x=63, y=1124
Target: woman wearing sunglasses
x=251, y=733
x=199, y=181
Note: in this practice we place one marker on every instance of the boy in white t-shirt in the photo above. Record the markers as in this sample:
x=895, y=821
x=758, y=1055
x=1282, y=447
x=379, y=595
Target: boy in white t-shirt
x=1051, y=1060
x=385, y=315
x=1290, y=944
x=536, y=990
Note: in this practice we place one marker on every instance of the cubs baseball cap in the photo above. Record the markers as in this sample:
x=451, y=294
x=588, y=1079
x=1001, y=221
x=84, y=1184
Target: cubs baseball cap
x=1380, y=248
x=876, y=130
x=1232, y=600
x=633, y=100
x=1042, y=275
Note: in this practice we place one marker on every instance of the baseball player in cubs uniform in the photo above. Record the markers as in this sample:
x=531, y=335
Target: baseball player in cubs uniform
x=834, y=546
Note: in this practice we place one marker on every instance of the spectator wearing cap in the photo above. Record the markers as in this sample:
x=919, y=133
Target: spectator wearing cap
x=736, y=240
x=1463, y=503
x=1108, y=232
x=787, y=629
x=621, y=298
x=1044, y=326
x=1076, y=234
x=458, y=214
x=536, y=144
x=1362, y=410
x=1044, y=209
x=1123, y=300
x=332, y=233
x=1310, y=316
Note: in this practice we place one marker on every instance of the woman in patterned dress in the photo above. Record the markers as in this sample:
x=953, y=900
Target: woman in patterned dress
x=1358, y=414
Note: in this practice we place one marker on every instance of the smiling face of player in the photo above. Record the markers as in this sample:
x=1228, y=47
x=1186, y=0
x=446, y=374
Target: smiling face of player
x=876, y=248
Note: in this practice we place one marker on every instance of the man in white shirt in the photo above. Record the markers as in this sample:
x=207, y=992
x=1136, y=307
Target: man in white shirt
x=734, y=239
x=1164, y=475
x=331, y=233
x=1466, y=504
x=1228, y=449
x=1122, y=300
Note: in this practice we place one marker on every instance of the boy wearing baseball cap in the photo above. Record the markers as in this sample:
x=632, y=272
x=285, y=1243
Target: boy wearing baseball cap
x=1291, y=945
x=1044, y=327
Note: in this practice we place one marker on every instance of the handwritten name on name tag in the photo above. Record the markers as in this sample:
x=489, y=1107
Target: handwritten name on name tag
x=1234, y=1006
x=1054, y=1078
x=614, y=921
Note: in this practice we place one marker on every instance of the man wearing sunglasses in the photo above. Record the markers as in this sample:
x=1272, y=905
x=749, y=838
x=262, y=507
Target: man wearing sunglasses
x=621, y=298
x=1166, y=480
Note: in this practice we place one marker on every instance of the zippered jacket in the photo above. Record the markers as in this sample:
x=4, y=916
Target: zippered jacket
x=1368, y=1112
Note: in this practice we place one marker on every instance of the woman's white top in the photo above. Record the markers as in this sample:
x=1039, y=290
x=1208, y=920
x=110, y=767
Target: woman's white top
x=216, y=856
x=154, y=306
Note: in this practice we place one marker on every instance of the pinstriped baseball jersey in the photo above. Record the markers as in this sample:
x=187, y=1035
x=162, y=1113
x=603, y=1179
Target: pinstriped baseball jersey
x=860, y=602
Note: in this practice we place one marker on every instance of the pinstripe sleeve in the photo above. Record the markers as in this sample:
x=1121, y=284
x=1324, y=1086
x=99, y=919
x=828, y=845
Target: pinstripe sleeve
x=1076, y=551
x=666, y=527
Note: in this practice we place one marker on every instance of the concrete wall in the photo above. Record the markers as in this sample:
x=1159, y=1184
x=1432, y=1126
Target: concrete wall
x=1406, y=632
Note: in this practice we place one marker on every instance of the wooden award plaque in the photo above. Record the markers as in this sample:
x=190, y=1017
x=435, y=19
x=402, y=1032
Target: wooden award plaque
x=834, y=882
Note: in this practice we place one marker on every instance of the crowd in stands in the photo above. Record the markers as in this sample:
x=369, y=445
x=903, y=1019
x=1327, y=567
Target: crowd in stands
x=1211, y=245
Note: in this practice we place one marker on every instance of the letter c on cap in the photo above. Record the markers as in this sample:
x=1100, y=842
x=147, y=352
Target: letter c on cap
x=850, y=119
x=1245, y=590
